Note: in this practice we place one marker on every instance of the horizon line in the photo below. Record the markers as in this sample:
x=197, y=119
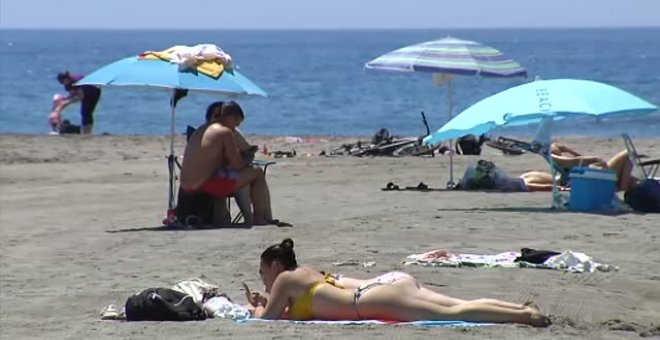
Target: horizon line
x=18, y=28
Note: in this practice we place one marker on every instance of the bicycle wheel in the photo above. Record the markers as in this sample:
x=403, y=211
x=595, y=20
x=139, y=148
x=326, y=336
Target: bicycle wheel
x=507, y=149
x=415, y=150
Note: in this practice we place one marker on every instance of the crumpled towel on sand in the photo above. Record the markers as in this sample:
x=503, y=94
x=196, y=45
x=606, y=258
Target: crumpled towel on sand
x=220, y=307
x=111, y=312
x=568, y=260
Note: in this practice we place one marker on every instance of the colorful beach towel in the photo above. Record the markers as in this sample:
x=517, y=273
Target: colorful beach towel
x=425, y=323
x=568, y=260
x=208, y=59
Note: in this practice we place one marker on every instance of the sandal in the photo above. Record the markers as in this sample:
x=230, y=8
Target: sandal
x=390, y=187
x=420, y=187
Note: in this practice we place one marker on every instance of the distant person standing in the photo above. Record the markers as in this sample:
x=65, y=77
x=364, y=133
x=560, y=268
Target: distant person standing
x=87, y=94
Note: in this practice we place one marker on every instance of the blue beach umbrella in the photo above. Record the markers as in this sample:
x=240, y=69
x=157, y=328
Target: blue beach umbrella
x=134, y=71
x=176, y=78
x=542, y=101
x=538, y=100
x=447, y=57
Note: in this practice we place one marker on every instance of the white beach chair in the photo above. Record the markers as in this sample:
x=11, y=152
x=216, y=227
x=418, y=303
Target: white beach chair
x=649, y=168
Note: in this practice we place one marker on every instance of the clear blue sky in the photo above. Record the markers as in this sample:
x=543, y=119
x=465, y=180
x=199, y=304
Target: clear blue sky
x=326, y=14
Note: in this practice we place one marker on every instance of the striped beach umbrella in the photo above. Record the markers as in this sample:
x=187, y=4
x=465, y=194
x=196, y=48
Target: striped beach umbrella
x=445, y=58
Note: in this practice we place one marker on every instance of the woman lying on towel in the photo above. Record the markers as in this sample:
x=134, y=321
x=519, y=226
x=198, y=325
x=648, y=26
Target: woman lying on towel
x=303, y=293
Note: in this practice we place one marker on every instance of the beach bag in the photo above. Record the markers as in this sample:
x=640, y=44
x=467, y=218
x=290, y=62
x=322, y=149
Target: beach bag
x=479, y=177
x=162, y=304
x=644, y=196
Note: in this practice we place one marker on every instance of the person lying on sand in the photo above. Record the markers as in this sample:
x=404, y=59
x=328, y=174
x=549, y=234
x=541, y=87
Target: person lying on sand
x=303, y=293
x=212, y=167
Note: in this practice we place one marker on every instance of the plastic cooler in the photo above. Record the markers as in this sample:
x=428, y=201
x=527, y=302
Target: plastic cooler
x=591, y=189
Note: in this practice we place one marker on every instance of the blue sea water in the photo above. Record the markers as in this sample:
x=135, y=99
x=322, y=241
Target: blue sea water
x=316, y=80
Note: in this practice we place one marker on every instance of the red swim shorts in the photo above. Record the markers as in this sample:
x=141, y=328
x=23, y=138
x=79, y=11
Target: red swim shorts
x=217, y=186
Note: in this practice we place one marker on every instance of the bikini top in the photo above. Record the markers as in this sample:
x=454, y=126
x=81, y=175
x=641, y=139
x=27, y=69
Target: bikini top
x=301, y=309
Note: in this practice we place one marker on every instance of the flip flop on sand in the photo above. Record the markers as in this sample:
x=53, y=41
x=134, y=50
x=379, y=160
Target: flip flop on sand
x=279, y=223
x=420, y=187
x=390, y=187
x=276, y=222
x=393, y=187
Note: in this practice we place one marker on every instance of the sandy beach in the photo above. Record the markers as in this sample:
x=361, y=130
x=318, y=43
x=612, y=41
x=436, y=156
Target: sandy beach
x=78, y=217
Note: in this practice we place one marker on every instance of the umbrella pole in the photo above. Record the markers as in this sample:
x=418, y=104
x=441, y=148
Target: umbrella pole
x=170, y=159
x=543, y=137
x=450, y=184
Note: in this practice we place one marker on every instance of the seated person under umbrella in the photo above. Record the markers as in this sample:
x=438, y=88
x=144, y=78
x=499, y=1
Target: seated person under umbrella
x=213, y=167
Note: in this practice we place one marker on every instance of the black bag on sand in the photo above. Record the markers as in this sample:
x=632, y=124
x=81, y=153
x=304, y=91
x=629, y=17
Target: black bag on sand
x=644, y=196
x=162, y=304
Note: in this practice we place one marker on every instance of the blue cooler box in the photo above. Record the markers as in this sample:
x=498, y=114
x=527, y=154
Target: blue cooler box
x=591, y=189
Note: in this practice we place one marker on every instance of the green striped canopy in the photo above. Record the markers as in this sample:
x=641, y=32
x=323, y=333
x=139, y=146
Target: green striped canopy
x=450, y=56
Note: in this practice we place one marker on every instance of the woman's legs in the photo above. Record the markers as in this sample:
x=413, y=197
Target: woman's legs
x=447, y=301
x=258, y=192
x=384, y=302
x=263, y=214
x=621, y=164
x=413, y=288
x=537, y=181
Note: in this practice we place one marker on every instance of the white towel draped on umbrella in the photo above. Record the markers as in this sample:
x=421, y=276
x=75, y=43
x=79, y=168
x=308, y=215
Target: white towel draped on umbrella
x=189, y=56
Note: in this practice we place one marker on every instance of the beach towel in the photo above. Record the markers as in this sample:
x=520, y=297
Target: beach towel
x=221, y=307
x=425, y=323
x=208, y=59
x=196, y=288
x=567, y=260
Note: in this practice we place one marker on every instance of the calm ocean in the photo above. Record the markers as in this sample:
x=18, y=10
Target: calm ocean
x=315, y=79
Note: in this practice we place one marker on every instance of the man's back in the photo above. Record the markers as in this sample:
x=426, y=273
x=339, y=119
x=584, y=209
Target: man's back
x=204, y=155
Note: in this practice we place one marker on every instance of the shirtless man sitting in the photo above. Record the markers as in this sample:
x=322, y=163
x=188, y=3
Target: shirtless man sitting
x=212, y=167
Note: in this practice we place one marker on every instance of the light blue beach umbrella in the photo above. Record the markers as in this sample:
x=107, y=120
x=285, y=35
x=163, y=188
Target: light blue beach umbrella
x=176, y=78
x=134, y=71
x=542, y=101
x=447, y=57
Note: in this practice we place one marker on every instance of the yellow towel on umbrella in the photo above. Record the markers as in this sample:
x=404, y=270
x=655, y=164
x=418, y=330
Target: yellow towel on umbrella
x=210, y=67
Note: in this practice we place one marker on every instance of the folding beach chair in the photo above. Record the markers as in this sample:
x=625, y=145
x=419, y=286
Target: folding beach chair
x=648, y=168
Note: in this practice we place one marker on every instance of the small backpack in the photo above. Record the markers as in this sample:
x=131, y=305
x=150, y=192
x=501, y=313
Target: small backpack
x=644, y=196
x=162, y=304
x=484, y=176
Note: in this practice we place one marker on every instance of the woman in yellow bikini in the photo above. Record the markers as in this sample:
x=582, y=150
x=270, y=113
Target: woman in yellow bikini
x=303, y=293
